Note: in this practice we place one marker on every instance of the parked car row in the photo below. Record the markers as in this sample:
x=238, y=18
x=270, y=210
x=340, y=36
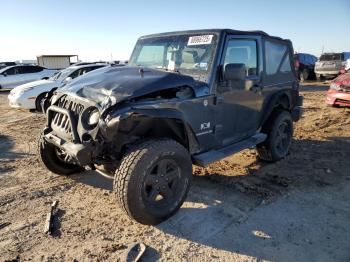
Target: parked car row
x=13, y=76
x=31, y=95
x=331, y=64
x=338, y=93
x=305, y=66
x=308, y=67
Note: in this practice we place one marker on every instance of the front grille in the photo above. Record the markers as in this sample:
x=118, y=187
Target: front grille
x=66, y=103
x=60, y=122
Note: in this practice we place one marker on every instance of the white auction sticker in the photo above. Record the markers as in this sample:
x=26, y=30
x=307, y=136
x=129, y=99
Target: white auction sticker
x=200, y=40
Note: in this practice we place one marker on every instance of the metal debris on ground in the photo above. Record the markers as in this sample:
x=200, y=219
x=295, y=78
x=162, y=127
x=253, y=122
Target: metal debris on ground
x=3, y=225
x=135, y=252
x=49, y=218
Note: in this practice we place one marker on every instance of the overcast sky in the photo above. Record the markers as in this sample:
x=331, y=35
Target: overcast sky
x=97, y=30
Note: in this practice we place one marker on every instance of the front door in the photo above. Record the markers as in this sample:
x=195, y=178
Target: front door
x=240, y=102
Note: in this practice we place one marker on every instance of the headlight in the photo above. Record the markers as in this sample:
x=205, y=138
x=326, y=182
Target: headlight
x=334, y=86
x=94, y=117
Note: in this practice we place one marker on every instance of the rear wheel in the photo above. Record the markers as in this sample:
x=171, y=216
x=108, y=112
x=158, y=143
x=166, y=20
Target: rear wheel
x=304, y=75
x=319, y=77
x=54, y=159
x=39, y=102
x=152, y=180
x=279, y=130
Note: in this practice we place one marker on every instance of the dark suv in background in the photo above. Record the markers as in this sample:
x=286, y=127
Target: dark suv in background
x=305, y=66
x=6, y=64
x=190, y=97
x=331, y=64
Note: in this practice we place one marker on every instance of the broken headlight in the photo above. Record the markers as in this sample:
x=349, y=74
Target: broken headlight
x=94, y=117
x=90, y=118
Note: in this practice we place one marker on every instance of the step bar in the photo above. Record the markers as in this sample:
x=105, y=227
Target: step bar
x=206, y=158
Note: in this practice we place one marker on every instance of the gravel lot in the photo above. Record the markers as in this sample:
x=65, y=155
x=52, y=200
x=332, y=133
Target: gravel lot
x=239, y=209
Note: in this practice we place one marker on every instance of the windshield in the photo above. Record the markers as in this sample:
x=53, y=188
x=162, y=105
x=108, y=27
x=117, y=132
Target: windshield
x=3, y=69
x=63, y=74
x=186, y=54
x=331, y=57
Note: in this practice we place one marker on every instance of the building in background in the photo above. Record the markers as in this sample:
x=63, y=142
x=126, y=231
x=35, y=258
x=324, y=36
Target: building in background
x=56, y=61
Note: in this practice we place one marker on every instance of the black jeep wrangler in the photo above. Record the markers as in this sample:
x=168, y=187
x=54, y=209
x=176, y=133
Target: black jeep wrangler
x=191, y=97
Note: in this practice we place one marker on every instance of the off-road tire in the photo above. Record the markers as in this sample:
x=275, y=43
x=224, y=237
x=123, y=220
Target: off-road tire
x=270, y=150
x=136, y=167
x=38, y=102
x=49, y=159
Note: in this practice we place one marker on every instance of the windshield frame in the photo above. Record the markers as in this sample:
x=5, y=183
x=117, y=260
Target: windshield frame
x=204, y=75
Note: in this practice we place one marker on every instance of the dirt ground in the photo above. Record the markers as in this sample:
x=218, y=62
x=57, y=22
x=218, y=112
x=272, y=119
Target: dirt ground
x=239, y=209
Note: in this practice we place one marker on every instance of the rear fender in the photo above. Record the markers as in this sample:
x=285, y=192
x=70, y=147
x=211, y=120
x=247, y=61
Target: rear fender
x=281, y=100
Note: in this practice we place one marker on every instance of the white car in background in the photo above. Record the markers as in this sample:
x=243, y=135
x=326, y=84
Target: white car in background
x=13, y=76
x=31, y=95
x=347, y=65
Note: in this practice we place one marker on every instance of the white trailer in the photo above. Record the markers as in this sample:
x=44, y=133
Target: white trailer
x=55, y=61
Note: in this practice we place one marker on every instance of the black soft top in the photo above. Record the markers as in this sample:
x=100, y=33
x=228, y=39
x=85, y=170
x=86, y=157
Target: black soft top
x=214, y=31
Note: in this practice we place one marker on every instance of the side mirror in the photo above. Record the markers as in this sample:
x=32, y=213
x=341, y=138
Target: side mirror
x=4, y=74
x=67, y=79
x=235, y=72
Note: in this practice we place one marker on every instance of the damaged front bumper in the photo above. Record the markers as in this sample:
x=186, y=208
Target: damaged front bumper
x=66, y=130
x=81, y=154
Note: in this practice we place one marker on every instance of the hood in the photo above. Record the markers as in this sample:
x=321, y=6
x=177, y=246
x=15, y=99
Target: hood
x=343, y=79
x=31, y=85
x=120, y=83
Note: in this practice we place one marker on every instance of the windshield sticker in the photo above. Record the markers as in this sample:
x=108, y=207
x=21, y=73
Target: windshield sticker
x=200, y=40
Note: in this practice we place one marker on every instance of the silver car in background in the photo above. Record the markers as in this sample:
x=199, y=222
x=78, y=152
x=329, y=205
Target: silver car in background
x=13, y=76
x=331, y=64
x=31, y=95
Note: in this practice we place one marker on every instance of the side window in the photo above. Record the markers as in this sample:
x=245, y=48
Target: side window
x=285, y=67
x=11, y=71
x=85, y=70
x=273, y=56
x=28, y=69
x=75, y=74
x=37, y=69
x=21, y=70
x=242, y=52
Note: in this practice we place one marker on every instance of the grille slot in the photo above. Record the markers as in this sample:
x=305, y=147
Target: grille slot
x=60, y=122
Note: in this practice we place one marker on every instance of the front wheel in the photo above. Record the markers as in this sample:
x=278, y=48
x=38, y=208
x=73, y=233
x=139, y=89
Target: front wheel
x=39, y=102
x=54, y=159
x=153, y=179
x=279, y=130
